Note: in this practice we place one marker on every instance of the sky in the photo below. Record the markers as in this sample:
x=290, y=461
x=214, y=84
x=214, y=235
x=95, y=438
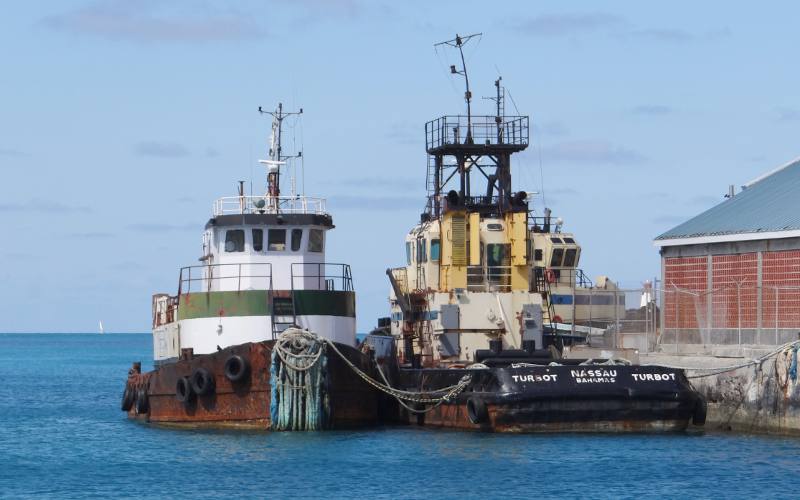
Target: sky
x=123, y=120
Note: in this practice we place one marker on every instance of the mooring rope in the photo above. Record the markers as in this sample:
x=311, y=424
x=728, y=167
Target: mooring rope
x=724, y=369
x=299, y=352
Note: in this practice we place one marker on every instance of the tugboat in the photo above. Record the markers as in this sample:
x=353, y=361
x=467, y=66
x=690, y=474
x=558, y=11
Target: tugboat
x=470, y=307
x=249, y=337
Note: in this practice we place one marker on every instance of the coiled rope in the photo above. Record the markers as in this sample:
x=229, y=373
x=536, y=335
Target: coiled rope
x=299, y=401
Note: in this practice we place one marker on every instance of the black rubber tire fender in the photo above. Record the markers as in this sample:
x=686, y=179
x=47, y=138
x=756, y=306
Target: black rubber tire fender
x=700, y=411
x=183, y=390
x=237, y=368
x=128, y=398
x=202, y=382
x=476, y=411
x=142, y=401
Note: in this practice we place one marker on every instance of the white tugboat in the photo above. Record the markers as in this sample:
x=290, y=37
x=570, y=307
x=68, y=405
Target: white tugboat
x=263, y=271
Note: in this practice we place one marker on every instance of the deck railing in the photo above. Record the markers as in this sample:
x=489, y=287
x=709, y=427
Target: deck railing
x=489, y=279
x=235, y=205
x=204, y=277
x=453, y=130
x=323, y=275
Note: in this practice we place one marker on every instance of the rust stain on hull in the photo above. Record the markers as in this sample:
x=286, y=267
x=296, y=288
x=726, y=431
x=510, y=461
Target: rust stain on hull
x=246, y=404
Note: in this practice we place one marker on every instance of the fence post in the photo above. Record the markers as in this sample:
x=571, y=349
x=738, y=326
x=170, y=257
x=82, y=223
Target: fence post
x=739, y=311
x=777, y=297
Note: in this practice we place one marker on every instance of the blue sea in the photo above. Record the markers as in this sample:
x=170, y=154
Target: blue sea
x=62, y=435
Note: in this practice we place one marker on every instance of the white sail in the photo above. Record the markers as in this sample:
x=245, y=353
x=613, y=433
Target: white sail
x=102, y=330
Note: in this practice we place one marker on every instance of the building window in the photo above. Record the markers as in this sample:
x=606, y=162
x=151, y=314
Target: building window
x=277, y=240
x=297, y=237
x=258, y=240
x=234, y=240
x=315, y=238
x=435, y=250
x=558, y=255
x=569, y=257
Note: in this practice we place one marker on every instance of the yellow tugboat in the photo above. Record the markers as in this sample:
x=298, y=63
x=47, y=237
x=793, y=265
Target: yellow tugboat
x=479, y=295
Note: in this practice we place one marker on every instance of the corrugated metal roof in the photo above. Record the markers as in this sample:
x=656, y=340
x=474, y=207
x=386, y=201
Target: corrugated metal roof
x=768, y=204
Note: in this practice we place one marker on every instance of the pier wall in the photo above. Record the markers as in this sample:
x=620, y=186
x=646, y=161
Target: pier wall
x=762, y=398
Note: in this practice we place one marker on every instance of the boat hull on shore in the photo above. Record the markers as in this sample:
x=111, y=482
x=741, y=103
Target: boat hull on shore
x=346, y=401
x=580, y=398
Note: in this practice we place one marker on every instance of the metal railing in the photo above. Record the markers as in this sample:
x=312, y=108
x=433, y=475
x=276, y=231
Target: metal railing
x=489, y=279
x=269, y=204
x=228, y=274
x=451, y=130
x=326, y=276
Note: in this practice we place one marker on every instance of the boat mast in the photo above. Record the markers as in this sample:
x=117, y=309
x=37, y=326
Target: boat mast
x=459, y=42
x=276, y=157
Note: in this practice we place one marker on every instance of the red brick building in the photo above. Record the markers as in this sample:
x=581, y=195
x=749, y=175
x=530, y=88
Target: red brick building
x=731, y=275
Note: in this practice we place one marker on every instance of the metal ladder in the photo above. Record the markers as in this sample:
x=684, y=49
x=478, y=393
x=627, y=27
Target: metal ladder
x=279, y=317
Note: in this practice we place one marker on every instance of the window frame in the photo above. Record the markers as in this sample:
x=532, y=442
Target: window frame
x=312, y=244
x=270, y=243
x=260, y=239
x=437, y=244
x=299, y=240
x=237, y=248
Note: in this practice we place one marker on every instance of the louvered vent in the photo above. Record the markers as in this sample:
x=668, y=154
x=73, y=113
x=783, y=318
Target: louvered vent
x=459, y=238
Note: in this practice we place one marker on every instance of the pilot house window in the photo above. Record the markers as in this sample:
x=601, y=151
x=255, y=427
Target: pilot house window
x=435, y=250
x=569, y=257
x=558, y=255
x=234, y=240
x=258, y=240
x=315, y=237
x=277, y=240
x=297, y=236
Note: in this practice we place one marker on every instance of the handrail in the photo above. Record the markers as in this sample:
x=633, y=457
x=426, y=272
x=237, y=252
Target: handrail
x=455, y=129
x=236, y=205
x=489, y=278
x=185, y=276
x=319, y=271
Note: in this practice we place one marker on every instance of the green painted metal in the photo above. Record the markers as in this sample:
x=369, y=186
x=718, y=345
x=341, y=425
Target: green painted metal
x=256, y=303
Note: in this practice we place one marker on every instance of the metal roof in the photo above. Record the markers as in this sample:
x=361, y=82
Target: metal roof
x=767, y=207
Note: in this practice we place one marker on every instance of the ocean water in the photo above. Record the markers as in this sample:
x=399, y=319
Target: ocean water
x=62, y=435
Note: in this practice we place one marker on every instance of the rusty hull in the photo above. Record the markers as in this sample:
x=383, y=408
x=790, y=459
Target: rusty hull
x=246, y=404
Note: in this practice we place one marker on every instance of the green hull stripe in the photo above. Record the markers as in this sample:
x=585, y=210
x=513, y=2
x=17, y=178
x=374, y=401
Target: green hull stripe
x=256, y=303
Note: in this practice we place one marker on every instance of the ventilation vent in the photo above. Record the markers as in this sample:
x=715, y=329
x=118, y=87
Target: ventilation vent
x=459, y=238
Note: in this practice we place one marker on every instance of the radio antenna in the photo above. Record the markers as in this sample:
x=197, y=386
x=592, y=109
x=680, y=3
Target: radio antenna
x=459, y=42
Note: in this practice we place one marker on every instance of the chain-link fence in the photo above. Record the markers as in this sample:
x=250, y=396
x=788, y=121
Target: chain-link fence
x=738, y=314
x=653, y=316
x=614, y=318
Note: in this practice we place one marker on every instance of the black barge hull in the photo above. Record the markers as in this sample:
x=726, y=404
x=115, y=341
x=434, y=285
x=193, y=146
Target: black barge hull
x=580, y=398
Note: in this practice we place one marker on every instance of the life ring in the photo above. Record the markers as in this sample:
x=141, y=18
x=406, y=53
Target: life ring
x=476, y=411
x=700, y=411
x=550, y=275
x=142, y=402
x=202, y=382
x=557, y=319
x=236, y=368
x=183, y=390
x=128, y=398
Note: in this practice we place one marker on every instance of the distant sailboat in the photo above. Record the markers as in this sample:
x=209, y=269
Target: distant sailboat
x=102, y=330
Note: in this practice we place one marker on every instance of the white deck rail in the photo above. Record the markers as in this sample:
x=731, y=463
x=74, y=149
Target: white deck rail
x=232, y=205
